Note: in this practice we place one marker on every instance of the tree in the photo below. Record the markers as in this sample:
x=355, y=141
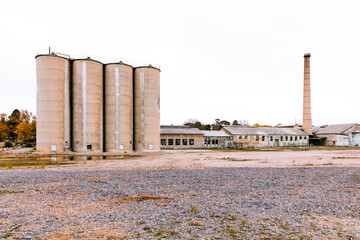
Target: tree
x=194, y=123
x=4, y=126
x=19, y=125
x=235, y=123
x=26, y=129
x=14, y=121
x=244, y=123
x=25, y=132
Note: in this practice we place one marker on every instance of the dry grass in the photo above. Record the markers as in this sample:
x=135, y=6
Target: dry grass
x=143, y=198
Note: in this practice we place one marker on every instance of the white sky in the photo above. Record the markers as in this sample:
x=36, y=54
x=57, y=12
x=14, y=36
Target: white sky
x=219, y=59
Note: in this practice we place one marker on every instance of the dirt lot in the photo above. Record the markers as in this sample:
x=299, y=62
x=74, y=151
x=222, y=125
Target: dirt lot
x=183, y=195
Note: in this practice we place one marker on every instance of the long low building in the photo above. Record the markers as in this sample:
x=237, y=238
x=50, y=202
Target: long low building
x=180, y=137
x=262, y=137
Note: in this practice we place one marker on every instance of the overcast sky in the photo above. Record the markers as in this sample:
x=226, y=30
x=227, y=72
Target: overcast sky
x=219, y=59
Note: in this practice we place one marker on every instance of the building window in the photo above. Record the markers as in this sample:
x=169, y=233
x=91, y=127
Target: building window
x=300, y=137
x=170, y=142
x=240, y=137
x=296, y=138
x=291, y=138
x=89, y=147
x=271, y=138
x=191, y=141
x=216, y=142
x=163, y=142
x=287, y=138
x=281, y=138
x=213, y=141
x=263, y=138
x=257, y=138
x=177, y=141
x=184, y=142
x=245, y=137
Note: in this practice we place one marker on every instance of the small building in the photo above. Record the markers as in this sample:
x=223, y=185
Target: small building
x=338, y=134
x=263, y=137
x=217, y=139
x=180, y=137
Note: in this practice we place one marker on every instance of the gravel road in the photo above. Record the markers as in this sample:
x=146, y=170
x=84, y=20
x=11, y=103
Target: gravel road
x=211, y=203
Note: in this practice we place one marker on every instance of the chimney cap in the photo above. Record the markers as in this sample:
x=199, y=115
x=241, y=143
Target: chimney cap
x=307, y=55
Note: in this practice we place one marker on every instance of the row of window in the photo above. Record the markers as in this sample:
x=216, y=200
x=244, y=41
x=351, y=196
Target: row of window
x=177, y=142
x=213, y=142
x=272, y=138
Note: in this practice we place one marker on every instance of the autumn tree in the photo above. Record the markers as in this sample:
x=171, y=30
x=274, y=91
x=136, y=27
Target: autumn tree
x=20, y=125
x=4, y=126
x=26, y=129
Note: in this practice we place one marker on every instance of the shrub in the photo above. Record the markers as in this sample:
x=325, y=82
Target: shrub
x=8, y=144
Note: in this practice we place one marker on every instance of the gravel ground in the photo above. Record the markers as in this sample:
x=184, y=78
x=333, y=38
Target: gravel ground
x=209, y=203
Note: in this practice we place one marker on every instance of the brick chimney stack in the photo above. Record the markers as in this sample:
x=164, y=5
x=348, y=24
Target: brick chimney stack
x=307, y=123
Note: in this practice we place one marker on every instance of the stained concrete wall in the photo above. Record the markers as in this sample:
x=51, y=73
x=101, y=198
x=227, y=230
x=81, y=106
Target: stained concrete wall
x=52, y=104
x=118, y=107
x=146, y=109
x=87, y=105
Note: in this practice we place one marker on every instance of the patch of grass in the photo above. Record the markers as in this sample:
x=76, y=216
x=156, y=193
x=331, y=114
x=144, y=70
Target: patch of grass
x=193, y=209
x=143, y=198
x=237, y=160
x=159, y=233
x=228, y=229
x=284, y=227
x=7, y=191
x=196, y=224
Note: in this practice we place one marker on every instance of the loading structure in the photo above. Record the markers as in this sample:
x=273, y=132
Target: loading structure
x=84, y=105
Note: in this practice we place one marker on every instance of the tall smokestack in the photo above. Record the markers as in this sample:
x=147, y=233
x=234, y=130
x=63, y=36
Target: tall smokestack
x=307, y=123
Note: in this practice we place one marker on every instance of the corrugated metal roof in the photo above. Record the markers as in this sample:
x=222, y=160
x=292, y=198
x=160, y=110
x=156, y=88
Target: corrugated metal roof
x=216, y=134
x=174, y=126
x=236, y=130
x=178, y=131
x=335, y=128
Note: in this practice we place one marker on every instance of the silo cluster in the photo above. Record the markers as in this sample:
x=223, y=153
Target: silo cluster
x=85, y=105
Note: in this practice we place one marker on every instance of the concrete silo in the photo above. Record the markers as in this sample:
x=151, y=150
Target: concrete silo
x=87, y=103
x=146, y=108
x=118, y=107
x=53, y=103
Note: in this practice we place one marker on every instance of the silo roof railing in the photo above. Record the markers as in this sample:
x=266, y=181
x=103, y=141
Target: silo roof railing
x=97, y=58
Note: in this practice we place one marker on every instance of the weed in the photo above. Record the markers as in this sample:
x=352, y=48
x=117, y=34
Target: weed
x=143, y=198
x=284, y=227
x=9, y=166
x=159, y=233
x=196, y=224
x=228, y=229
x=193, y=209
x=7, y=191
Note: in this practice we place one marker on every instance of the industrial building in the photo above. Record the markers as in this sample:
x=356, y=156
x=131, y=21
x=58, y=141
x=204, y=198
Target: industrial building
x=180, y=137
x=340, y=135
x=85, y=105
x=265, y=137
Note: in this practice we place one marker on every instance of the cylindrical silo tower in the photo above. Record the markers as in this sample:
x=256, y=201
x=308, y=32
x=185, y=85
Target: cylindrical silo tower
x=52, y=104
x=87, y=103
x=118, y=107
x=146, y=108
